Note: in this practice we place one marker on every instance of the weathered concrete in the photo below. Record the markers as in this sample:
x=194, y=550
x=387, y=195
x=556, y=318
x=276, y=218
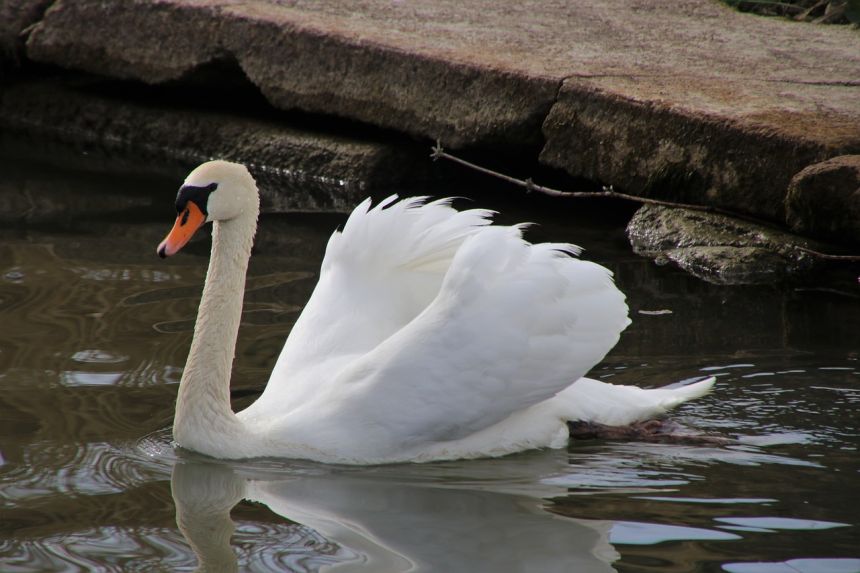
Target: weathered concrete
x=719, y=249
x=687, y=98
x=328, y=172
x=824, y=200
x=650, y=149
x=710, y=107
x=378, y=65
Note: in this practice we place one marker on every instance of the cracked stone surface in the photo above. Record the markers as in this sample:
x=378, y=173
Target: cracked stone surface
x=379, y=62
x=476, y=71
x=687, y=100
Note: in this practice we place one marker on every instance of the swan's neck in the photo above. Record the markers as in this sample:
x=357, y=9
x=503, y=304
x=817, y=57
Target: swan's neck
x=204, y=420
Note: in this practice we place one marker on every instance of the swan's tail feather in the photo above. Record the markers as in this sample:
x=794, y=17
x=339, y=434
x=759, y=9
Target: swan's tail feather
x=590, y=400
x=677, y=395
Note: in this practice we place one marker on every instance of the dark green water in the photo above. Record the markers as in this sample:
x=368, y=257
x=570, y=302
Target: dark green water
x=94, y=330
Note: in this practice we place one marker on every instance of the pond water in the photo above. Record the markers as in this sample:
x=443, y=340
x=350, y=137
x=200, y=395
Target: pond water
x=94, y=330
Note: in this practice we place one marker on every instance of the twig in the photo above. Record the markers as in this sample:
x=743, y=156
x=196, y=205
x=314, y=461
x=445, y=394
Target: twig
x=607, y=192
x=438, y=152
x=821, y=255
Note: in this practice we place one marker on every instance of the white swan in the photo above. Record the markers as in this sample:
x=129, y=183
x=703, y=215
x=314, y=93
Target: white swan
x=430, y=335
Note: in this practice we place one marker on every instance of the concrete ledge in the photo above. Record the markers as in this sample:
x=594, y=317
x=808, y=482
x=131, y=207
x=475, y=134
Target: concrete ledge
x=299, y=60
x=684, y=154
x=296, y=169
x=687, y=100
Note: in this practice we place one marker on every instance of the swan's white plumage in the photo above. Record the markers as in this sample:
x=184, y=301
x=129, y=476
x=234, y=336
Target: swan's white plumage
x=432, y=335
x=378, y=274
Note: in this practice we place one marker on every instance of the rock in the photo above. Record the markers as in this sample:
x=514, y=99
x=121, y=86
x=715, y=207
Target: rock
x=735, y=265
x=718, y=248
x=297, y=169
x=823, y=200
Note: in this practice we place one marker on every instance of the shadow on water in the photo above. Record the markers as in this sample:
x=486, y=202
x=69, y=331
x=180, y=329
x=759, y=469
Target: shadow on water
x=94, y=330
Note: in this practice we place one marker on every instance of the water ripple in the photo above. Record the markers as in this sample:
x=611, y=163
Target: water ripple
x=286, y=547
x=808, y=565
x=99, y=549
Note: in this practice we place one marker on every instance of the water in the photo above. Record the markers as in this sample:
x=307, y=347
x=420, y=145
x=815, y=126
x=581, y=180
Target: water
x=94, y=330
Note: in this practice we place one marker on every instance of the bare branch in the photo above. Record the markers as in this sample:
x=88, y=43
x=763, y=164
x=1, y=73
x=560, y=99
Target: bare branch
x=607, y=192
x=438, y=152
x=829, y=257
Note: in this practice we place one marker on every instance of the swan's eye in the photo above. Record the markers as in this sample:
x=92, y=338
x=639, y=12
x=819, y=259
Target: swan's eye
x=197, y=195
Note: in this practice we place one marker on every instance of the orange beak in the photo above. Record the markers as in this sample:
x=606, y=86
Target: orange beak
x=187, y=222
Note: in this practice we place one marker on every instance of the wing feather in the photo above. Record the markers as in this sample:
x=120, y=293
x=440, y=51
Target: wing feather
x=427, y=325
x=379, y=272
x=512, y=325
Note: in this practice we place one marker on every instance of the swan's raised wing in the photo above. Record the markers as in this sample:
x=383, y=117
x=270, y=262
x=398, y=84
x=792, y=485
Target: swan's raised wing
x=378, y=274
x=512, y=325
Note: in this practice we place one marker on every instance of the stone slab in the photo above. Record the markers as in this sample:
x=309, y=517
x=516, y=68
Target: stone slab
x=727, y=152
x=297, y=169
x=317, y=57
x=687, y=99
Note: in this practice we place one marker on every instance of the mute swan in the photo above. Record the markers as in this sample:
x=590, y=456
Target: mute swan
x=430, y=335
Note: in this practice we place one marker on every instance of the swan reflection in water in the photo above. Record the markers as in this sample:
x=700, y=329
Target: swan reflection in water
x=394, y=518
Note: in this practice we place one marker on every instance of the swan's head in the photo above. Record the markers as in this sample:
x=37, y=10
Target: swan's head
x=214, y=191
